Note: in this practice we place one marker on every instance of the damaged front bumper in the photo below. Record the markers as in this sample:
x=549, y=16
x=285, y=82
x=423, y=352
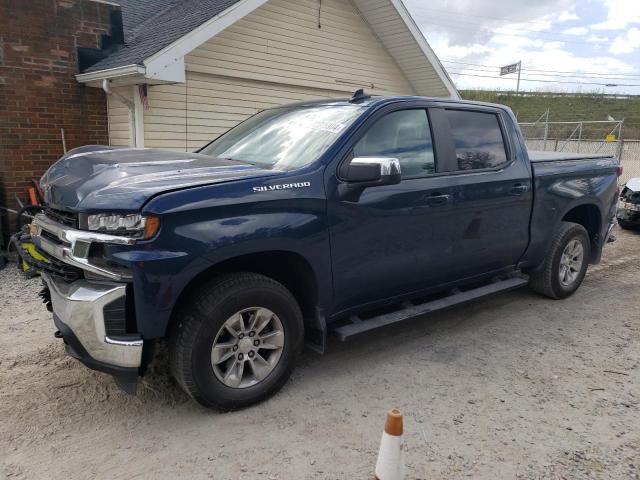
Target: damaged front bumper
x=84, y=312
x=73, y=246
x=629, y=217
x=89, y=301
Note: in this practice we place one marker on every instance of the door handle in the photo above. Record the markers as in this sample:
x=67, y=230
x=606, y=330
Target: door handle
x=519, y=189
x=436, y=199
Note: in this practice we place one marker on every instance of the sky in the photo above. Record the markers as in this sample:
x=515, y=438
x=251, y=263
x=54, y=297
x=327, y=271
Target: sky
x=573, y=45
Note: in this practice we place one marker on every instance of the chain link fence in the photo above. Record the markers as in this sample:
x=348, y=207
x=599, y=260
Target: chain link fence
x=628, y=151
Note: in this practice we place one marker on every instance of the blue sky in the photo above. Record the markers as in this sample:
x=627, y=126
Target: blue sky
x=581, y=45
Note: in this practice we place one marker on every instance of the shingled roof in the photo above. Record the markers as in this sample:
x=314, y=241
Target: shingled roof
x=158, y=34
x=151, y=25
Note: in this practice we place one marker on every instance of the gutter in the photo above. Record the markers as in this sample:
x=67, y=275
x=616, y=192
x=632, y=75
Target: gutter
x=124, y=71
x=107, y=89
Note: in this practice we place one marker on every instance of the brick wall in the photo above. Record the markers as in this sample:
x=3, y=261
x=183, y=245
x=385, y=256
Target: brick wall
x=38, y=92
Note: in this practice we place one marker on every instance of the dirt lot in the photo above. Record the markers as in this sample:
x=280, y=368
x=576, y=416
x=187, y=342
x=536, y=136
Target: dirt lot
x=515, y=386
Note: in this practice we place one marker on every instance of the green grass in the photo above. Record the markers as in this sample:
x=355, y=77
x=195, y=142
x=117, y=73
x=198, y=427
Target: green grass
x=568, y=107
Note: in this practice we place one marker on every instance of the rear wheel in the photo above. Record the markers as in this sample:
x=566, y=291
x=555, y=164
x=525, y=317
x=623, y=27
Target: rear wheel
x=566, y=262
x=236, y=340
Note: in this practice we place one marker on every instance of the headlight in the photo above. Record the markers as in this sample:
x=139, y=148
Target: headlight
x=130, y=225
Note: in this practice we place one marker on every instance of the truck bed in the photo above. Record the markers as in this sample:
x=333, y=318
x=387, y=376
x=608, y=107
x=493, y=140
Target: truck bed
x=542, y=156
x=564, y=181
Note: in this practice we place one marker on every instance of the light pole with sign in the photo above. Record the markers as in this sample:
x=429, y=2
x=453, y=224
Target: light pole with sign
x=513, y=68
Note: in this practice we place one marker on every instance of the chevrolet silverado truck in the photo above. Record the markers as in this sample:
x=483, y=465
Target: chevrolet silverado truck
x=328, y=217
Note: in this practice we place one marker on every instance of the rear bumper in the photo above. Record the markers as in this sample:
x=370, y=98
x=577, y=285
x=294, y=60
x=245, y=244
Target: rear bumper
x=79, y=315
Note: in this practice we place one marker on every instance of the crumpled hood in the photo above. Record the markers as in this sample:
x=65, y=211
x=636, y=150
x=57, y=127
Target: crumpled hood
x=123, y=179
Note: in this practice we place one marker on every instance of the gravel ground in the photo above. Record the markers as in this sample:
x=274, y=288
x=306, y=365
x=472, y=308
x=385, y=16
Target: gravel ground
x=513, y=386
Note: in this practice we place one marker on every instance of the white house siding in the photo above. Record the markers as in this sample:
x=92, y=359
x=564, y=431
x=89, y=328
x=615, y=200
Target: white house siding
x=388, y=25
x=165, y=121
x=280, y=42
x=118, y=117
x=273, y=56
x=213, y=104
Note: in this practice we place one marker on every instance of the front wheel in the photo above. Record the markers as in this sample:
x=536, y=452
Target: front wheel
x=566, y=262
x=236, y=340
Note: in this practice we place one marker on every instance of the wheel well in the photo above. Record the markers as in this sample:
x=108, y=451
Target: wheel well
x=290, y=269
x=589, y=217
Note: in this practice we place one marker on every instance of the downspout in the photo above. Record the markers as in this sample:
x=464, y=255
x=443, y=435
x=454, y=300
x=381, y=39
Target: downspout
x=130, y=106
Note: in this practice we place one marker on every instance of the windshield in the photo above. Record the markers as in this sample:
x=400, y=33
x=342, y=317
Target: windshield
x=285, y=138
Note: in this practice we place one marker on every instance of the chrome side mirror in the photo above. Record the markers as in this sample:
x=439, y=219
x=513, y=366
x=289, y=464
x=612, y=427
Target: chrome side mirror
x=364, y=172
x=372, y=171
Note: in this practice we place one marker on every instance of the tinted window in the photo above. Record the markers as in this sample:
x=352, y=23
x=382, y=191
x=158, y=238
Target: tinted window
x=478, y=139
x=404, y=135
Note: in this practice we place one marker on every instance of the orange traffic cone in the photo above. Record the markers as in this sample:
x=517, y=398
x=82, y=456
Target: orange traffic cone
x=390, y=464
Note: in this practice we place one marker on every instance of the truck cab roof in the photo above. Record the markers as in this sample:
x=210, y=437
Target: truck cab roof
x=383, y=100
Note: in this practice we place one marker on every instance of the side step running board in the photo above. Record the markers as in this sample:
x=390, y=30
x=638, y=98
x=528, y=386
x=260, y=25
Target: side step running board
x=358, y=325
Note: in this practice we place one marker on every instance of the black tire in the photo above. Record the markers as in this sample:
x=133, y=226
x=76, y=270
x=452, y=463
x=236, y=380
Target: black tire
x=201, y=318
x=546, y=279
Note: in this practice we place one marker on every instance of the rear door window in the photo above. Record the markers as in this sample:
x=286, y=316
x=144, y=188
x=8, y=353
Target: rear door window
x=477, y=138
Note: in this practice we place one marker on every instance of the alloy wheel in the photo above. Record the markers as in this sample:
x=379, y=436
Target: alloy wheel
x=247, y=347
x=571, y=263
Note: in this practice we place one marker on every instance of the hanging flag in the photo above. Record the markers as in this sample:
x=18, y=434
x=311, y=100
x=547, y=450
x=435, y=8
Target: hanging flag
x=144, y=100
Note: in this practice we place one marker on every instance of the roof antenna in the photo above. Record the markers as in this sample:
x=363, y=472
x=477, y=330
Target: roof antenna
x=359, y=96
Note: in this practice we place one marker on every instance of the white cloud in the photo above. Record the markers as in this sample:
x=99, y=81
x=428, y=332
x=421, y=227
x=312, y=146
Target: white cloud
x=457, y=51
x=539, y=62
x=508, y=42
x=539, y=26
x=562, y=57
x=567, y=16
x=597, y=39
x=576, y=31
x=626, y=43
x=553, y=45
x=620, y=14
x=469, y=22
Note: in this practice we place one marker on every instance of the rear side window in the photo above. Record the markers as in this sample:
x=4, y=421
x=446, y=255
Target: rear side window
x=404, y=135
x=477, y=138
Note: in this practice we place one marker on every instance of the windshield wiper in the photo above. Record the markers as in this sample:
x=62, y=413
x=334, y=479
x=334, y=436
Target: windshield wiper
x=251, y=162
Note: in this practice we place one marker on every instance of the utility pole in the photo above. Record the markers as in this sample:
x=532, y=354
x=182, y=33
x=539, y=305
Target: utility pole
x=519, y=68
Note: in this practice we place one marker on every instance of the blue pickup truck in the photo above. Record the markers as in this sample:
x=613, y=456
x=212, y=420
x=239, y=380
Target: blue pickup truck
x=328, y=217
